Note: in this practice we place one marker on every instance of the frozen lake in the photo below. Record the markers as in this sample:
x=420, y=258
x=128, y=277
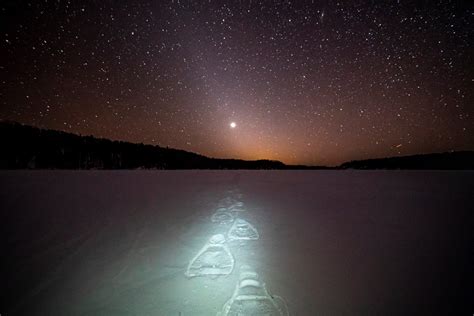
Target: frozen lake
x=328, y=242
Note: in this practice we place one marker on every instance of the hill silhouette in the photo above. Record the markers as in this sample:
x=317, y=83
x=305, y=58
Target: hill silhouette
x=28, y=147
x=459, y=160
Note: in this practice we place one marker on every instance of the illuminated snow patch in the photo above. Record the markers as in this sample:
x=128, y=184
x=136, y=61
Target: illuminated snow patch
x=222, y=217
x=252, y=298
x=213, y=259
x=242, y=230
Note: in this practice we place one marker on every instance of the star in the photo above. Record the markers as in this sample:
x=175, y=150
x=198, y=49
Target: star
x=351, y=83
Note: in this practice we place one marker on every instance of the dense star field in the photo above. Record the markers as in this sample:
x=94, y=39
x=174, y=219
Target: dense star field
x=316, y=82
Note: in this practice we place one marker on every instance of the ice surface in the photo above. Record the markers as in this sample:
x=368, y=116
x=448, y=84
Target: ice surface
x=331, y=242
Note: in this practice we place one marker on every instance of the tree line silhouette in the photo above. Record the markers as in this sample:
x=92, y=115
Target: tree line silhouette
x=27, y=147
x=458, y=160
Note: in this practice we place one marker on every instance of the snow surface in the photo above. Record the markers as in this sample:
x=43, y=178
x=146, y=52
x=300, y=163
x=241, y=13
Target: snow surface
x=331, y=242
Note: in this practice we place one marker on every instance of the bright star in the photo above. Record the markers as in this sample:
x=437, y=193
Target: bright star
x=233, y=125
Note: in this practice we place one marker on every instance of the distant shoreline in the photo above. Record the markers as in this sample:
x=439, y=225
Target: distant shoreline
x=30, y=148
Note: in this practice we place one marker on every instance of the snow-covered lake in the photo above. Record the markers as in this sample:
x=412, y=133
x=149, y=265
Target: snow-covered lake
x=329, y=242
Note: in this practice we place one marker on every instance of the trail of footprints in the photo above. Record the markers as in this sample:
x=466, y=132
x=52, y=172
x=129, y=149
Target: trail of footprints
x=215, y=259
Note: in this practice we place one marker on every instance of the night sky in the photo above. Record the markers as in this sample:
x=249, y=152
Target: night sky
x=316, y=82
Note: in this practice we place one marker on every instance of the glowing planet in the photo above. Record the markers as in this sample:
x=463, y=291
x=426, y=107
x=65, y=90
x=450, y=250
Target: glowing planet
x=233, y=125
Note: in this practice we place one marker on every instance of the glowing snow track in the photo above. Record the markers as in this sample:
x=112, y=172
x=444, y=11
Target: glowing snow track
x=213, y=259
x=250, y=297
x=222, y=217
x=242, y=230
